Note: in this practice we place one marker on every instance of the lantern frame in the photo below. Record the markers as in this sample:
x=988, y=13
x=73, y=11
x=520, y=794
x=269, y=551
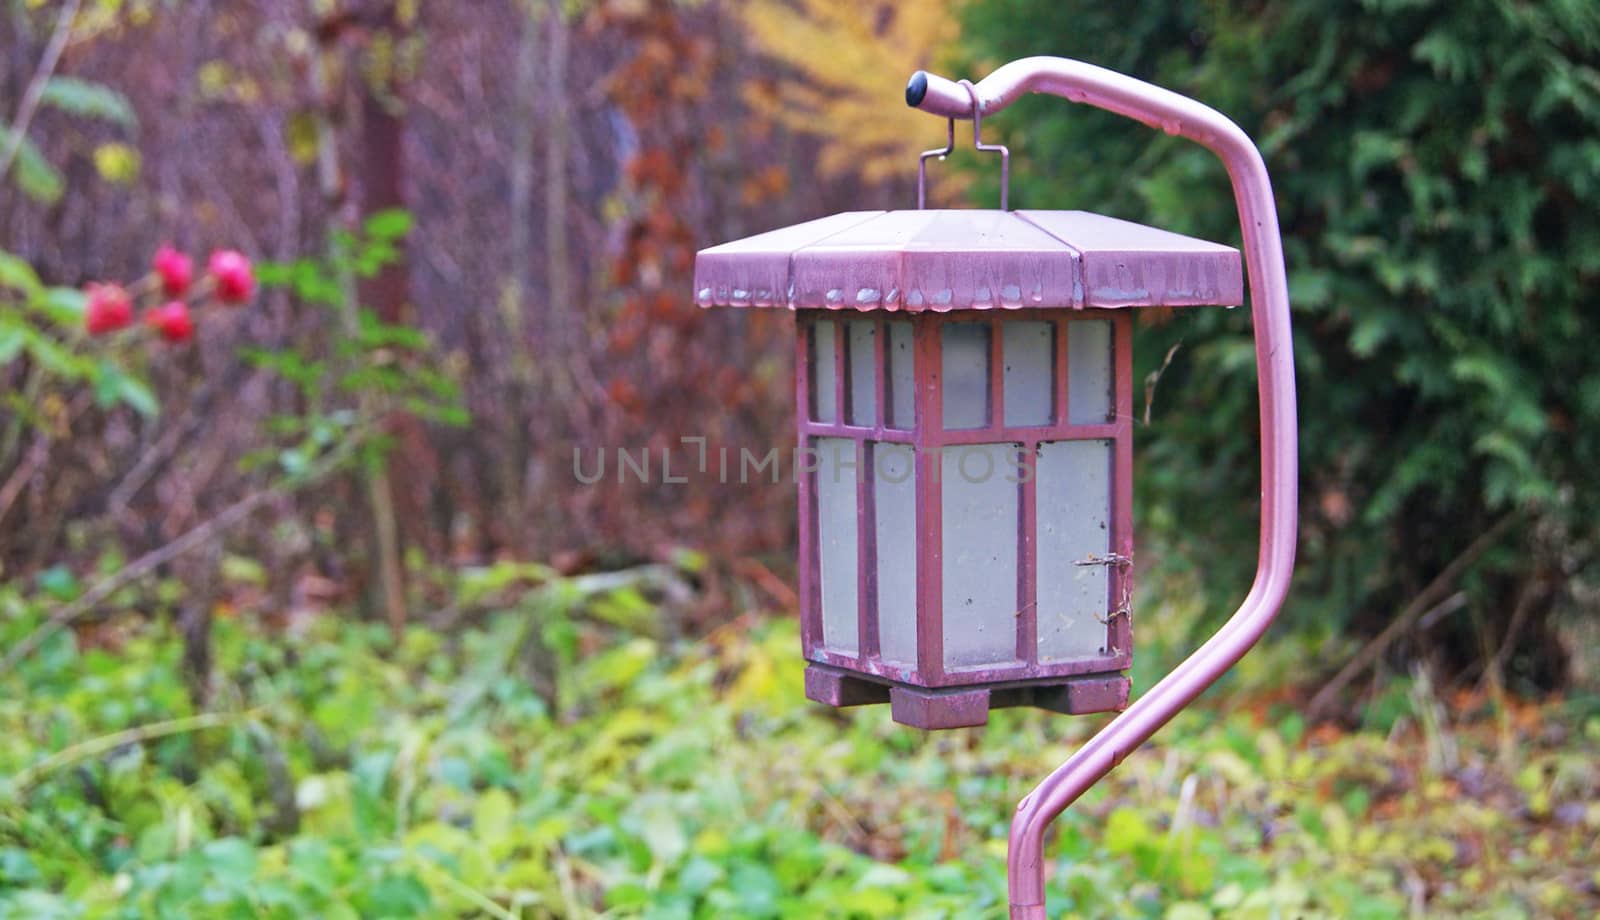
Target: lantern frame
x=938, y=267
x=841, y=677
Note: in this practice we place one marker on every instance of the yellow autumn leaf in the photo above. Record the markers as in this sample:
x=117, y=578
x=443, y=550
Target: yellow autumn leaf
x=849, y=64
x=303, y=137
x=117, y=163
x=214, y=78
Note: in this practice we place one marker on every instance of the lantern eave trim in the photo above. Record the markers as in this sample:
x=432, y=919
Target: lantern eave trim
x=968, y=259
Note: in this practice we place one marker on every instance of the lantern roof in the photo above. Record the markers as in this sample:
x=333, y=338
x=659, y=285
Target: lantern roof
x=967, y=259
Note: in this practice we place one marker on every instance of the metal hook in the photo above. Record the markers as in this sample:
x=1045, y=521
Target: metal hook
x=922, y=163
x=977, y=144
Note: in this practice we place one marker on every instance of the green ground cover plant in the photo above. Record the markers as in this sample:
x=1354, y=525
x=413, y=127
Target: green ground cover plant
x=339, y=776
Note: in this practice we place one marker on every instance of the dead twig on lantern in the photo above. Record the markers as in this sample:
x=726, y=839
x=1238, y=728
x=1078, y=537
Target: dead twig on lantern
x=1430, y=596
x=1110, y=560
x=196, y=536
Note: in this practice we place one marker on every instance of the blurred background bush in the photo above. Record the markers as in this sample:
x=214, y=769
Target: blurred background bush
x=1438, y=176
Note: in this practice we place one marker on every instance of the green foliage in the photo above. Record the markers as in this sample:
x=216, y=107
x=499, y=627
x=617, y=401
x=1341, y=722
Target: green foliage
x=342, y=776
x=368, y=367
x=87, y=99
x=1438, y=178
x=43, y=325
x=35, y=176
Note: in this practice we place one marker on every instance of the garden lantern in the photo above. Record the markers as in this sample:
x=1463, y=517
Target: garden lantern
x=963, y=386
x=965, y=408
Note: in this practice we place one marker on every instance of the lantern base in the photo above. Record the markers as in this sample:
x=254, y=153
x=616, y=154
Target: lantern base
x=964, y=707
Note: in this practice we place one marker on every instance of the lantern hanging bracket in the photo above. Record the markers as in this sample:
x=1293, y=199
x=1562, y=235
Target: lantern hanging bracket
x=977, y=144
x=922, y=162
x=1171, y=113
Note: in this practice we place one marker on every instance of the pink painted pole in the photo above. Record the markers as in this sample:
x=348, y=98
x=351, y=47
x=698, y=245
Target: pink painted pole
x=1269, y=310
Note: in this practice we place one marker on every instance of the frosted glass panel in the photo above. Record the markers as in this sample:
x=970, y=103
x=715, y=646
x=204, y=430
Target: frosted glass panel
x=894, y=499
x=862, y=338
x=979, y=506
x=1089, y=372
x=1074, y=523
x=1029, y=351
x=966, y=375
x=836, y=542
x=902, y=381
x=824, y=373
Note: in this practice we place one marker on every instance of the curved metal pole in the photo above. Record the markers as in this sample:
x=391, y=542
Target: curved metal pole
x=1269, y=302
